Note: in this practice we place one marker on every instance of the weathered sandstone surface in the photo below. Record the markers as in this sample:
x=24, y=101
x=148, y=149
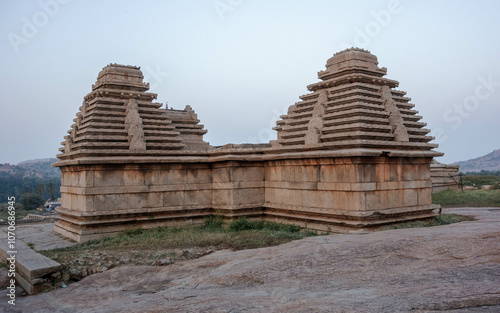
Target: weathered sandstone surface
x=453, y=268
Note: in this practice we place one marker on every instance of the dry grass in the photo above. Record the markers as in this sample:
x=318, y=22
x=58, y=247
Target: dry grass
x=470, y=198
x=214, y=235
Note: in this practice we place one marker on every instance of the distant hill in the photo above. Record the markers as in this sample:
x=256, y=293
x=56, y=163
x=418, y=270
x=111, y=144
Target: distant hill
x=41, y=168
x=37, y=161
x=489, y=162
x=30, y=176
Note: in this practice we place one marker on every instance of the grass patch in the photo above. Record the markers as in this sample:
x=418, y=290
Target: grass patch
x=213, y=234
x=20, y=211
x=242, y=224
x=471, y=198
x=213, y=223
x=443, y=219
x=481, y=180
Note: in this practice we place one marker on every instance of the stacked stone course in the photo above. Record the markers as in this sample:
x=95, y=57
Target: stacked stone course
x=444, y=176
x=354, y=107
x=119, y=118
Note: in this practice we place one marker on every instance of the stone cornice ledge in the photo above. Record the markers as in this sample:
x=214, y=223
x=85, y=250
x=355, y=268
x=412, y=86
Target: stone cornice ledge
x=256, y=156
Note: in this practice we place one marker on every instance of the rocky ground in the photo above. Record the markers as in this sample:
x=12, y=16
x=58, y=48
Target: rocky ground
x=453, y=268
x=78, y=265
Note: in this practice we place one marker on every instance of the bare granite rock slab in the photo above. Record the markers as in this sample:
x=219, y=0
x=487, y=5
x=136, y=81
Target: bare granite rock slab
x=41, y=236
x=452, y=268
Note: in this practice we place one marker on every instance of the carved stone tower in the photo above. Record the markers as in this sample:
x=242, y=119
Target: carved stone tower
x=119, y=118
x=354, y=106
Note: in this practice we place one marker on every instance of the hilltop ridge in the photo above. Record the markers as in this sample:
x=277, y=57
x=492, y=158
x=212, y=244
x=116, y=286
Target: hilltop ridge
x=488, y=162
x=41, y=168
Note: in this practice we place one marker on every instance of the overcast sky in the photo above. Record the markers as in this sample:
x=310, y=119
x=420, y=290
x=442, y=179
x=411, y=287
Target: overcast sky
x=241, y=63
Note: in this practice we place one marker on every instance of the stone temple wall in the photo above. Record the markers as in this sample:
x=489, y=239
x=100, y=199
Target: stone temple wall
x=351, y=155
x=355, y=192
x=444, y=177
x=322, y=193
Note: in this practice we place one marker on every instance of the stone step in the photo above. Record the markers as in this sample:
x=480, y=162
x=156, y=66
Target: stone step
x=355, y=105
x=370, y=135
x=31, y=266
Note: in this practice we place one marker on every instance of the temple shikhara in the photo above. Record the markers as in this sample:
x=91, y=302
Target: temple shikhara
x=351, y=155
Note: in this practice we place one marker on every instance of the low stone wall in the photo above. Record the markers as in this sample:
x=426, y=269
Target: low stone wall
x=444, y=177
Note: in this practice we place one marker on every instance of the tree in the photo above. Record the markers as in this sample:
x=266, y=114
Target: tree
x=31, y=201
x=39, y=189
x=50, y=190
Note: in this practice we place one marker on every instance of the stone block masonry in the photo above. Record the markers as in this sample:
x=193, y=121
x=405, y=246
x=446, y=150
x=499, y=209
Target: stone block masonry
x=444, y=177
x=352, y=154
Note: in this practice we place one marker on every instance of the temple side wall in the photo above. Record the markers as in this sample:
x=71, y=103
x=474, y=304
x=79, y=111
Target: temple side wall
x=354, y=192
x=121, y=197
x=444, y=177
x=238, y=188
x=335, y=194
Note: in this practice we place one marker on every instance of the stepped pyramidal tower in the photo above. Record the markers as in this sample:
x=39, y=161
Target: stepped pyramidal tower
x=351, y=155
x=119, y=118
x=354, y=107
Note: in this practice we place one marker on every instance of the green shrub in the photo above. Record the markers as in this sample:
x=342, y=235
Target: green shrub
x=281, y=227
x=311, y=233
x=176, y=230
x=242, y=224
x=213, y=222
x=479, y=180
x=162, y=229
x=134, y=232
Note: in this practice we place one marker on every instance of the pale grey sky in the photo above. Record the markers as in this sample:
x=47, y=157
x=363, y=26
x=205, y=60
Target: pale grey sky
x=241, y=63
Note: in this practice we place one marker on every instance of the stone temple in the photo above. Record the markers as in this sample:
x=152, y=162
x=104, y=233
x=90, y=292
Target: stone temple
x=351, y=155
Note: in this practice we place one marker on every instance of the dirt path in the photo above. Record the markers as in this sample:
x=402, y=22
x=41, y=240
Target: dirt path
x=454, y=268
